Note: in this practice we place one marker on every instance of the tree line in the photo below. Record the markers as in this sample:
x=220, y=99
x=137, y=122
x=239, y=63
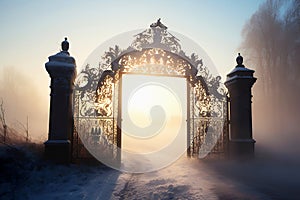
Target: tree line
x=271, y=45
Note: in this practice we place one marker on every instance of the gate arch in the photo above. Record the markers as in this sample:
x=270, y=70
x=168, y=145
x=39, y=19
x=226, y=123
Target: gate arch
x=155, y=51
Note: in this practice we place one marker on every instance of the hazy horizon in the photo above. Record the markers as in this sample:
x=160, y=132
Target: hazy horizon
x=32, y=31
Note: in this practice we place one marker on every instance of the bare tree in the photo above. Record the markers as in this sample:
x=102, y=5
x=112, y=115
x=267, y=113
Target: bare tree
x=262, y=36
x=25, y=128
x=292, y=37
x=271, y=39
x=3, y=122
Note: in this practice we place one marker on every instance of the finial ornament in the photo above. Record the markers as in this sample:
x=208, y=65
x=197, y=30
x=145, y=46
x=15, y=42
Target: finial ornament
x=239, y=60
x=65, y=45
x=158, y=24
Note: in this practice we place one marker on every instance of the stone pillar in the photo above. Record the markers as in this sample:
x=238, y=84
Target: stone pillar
x=239, y=83
x=62, y=70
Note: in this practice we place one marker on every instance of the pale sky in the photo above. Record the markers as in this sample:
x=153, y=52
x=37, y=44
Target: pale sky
x=33, y=30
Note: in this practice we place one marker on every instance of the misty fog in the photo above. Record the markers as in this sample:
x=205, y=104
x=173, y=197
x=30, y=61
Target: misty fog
x=271, y=47
x=23, y=97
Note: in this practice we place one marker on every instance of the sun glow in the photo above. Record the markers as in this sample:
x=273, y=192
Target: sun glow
x=156, y=112
x=146, y=98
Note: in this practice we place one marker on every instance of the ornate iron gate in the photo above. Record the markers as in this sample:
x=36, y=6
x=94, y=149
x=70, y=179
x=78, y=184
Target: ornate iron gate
x=155, y=51
x=208, y=125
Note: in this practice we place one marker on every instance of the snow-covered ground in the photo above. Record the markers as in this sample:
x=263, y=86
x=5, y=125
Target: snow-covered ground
x=26, y=176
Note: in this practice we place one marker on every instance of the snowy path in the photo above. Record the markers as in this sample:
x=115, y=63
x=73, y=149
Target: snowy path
x=185, y=179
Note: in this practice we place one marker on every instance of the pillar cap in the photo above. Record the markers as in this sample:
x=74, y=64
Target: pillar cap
x=62, y=59
x=240, y=71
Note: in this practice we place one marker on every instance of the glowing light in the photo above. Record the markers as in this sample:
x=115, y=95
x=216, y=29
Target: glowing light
x=144, y=102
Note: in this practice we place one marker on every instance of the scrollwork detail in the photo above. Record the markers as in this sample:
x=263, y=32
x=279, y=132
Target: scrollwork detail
x=154, y=51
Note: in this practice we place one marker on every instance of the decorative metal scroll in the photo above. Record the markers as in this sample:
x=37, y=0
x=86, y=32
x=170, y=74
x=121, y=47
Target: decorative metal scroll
x=104, y=94
x=208, y=125
x=153, y=61
x=156, y=36
x=154, y=51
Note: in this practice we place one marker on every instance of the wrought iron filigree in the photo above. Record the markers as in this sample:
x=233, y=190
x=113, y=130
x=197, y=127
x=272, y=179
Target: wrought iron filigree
x=156, y=36
x=166, y=43
x=154, y=51
x=207, y=119
x=154, y=61
x=202, y=100
x=104, y=97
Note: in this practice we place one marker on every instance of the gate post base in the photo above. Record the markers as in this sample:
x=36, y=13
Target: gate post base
x=241, y=148
x=58, y=151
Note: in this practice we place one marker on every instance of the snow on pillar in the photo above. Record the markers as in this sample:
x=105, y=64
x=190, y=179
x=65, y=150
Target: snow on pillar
x=62, y=69
x=239, y=83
